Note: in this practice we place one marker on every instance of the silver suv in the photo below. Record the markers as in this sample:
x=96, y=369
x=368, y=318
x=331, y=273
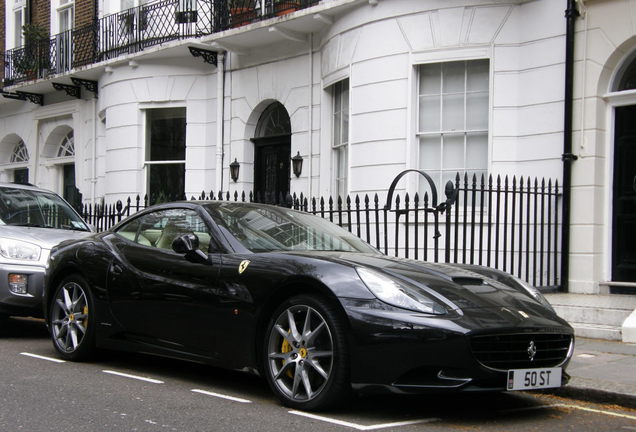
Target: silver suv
x=32, y=221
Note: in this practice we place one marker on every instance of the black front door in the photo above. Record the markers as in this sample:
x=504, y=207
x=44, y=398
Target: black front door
x=21, y=176
x=69, y=190
x=271, y=168
x=624, y=212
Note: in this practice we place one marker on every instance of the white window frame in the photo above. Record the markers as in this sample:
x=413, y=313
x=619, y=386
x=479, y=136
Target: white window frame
x=18, y=38
x=340, y=145
x=7, y=168
x=146, y=140
x=442, y=132
x=66, y=8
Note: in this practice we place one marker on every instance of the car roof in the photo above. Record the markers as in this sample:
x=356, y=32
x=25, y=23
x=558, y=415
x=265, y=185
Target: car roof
x=211, y=204
x=23, y=186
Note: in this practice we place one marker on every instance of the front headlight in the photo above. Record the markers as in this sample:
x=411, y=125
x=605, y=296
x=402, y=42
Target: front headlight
x=19, y=250
x=534, y=293
x=393, y=292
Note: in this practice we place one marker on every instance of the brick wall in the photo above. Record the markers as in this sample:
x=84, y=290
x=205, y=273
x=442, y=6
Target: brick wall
x=84, y=10
x=84, y=41
x=41, y=13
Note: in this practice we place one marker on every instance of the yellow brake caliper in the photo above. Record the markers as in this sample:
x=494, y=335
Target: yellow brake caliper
x=285, y=348
x=85, y=320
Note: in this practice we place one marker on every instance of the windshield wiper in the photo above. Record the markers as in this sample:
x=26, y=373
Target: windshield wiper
x=73, y=228
x=29, y=225
x=332, y=250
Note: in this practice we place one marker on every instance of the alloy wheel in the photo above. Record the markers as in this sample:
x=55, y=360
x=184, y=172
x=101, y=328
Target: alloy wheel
x=70, y=317
x=300, y=353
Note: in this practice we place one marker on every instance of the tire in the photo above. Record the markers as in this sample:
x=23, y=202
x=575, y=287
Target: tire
x=70, y=313
x=305, y=354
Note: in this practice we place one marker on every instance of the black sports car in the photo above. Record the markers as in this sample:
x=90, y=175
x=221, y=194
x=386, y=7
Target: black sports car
x=301, y=301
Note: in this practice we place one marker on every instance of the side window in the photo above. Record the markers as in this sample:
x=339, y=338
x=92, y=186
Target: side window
x=130, y=231
x=159, y=229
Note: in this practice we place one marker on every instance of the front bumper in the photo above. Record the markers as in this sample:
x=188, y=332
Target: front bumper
x=29, y=304
x=403, y=352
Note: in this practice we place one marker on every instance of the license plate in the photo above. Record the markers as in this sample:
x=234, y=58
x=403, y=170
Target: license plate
x=528, y=379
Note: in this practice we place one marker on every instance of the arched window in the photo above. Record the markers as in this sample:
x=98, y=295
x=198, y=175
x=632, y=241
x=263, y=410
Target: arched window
x=67, y=146
x=20, y=153
x=18, y=172
x=625, y=78
x=628, y=80
x=273, y=122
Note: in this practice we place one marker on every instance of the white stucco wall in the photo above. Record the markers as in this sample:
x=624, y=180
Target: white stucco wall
x=379, y=49
x=126, y=91
x=604, y=40
x=40, y=128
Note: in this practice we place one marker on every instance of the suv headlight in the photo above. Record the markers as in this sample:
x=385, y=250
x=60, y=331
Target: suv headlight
x=19, y=250
x=395, y=293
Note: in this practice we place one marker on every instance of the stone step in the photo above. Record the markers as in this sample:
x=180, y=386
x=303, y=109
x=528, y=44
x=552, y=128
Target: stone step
x=597, y=331
x=596, y=316
x=615, y=301
x=592, y=315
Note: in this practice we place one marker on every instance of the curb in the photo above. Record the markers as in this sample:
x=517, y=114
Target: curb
x=600, y=396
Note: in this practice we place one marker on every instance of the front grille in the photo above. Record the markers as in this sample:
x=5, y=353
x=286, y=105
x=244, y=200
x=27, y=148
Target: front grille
x=512, y=351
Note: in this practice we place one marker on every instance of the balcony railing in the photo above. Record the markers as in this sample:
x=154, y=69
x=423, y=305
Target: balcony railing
x=136, y=29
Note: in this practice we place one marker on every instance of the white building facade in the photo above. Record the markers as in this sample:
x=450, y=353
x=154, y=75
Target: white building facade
x=485, y=61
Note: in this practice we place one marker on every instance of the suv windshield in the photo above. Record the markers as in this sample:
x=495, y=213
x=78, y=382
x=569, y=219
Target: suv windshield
x=33, y=208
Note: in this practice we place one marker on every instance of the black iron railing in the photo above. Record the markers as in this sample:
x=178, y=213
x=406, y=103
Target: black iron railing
x=136, y=29
x=508, y=224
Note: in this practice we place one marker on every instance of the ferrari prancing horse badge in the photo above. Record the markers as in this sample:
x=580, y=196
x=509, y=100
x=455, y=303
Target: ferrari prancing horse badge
x=243, y=265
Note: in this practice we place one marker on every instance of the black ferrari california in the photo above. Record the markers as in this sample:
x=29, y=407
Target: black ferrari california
x=290, y=296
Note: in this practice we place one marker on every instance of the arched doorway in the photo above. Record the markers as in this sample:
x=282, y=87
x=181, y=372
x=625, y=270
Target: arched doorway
x=624, y=181
x=272, y=152
x=20, y=157
x=66, y=150
x=59, y=149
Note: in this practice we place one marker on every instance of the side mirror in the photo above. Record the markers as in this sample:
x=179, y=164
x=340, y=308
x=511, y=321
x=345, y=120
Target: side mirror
x=188, y=244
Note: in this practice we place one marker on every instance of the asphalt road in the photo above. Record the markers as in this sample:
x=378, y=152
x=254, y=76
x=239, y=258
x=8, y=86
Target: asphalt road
x=120, y=392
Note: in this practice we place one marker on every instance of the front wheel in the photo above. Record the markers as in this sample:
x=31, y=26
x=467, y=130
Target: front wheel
x=306, y=355
x=71, y=319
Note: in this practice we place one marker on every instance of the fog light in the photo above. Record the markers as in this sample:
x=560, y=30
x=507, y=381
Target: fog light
x=18, y=283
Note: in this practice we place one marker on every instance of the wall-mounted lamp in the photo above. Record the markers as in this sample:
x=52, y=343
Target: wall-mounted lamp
x=297, y=164
x=234, y=170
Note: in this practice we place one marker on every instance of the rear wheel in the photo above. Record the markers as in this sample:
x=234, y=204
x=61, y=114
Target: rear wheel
x=71, y=319
x=306, y=360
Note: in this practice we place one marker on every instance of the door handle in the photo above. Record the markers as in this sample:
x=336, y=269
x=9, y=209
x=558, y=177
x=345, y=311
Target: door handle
x=634, y=184
x=116, y=269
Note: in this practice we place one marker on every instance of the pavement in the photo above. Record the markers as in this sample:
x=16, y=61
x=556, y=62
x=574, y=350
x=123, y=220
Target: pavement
x=602, y=371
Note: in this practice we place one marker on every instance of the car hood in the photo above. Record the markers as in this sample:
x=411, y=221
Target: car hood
x=43, y=237
x=460, y=287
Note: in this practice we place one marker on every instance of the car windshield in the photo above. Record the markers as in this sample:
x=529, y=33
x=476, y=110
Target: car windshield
x=268, y=228
x=32, y=208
